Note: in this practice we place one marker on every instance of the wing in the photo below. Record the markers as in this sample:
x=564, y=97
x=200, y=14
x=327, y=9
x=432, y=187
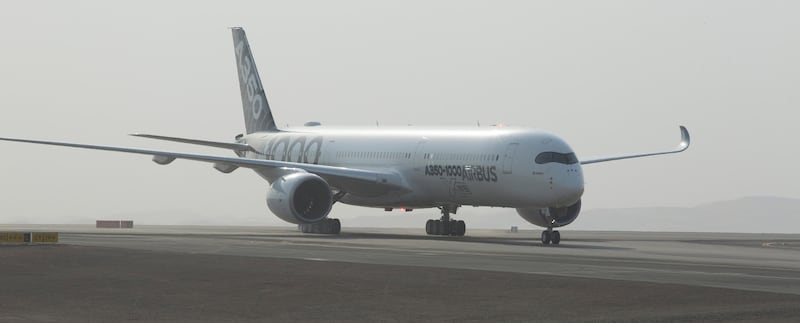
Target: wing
x=683, y=145
x=348, y=179
x=236, y=147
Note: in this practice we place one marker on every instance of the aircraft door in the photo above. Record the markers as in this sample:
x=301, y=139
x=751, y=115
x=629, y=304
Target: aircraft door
x=508, y=157
x=419, y=156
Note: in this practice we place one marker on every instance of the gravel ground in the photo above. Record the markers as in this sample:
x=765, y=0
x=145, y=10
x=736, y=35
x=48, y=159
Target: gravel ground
x=62, y=283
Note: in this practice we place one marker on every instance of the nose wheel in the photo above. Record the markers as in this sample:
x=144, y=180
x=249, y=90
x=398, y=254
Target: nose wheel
x=551, y=236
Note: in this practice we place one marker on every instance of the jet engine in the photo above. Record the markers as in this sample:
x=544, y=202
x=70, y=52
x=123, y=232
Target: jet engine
x=300, y=198
x=551, y=216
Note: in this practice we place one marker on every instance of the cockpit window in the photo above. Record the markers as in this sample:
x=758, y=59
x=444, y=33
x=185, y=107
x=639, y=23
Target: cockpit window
x=554, y=157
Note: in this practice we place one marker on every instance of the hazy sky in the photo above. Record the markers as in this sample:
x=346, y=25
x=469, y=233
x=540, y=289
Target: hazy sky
x=609, y=76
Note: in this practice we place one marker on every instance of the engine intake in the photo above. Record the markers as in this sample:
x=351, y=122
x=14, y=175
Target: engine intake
x=300, y=198
x=544, y=217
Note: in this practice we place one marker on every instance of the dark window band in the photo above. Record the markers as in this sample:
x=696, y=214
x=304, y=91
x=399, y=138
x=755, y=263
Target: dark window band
x=554, y=157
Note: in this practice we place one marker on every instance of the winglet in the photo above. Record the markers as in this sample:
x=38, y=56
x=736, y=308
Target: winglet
x=685, y=139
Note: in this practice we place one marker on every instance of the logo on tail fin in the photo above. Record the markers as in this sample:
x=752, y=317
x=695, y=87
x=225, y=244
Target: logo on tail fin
x=250, y=80
x=257, y=115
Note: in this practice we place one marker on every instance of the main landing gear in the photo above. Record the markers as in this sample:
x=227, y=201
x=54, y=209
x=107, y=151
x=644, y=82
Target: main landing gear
x=327, y=226
x=446, y=226
x=550, y=235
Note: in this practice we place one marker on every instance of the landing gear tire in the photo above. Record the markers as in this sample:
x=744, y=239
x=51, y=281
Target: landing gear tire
x=545, y=237
x=556, y=237
x=327, y=226
x=551, y=236
x=446, y=226
x=460, y=228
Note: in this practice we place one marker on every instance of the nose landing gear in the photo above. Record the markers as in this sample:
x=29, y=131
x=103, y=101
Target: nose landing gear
x=551, y=236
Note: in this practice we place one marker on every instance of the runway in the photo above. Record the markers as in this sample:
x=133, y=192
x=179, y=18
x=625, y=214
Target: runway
x=759, y=270
x=768, y=263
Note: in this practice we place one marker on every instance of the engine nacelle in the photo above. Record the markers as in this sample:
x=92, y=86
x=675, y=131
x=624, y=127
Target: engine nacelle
x=300, y=198
x=557, y=217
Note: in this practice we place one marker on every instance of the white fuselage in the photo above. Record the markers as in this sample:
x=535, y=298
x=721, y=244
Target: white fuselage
x=482, y=167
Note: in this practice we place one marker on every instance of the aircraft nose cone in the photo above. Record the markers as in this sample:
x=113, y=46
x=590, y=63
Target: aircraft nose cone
x=570, y=187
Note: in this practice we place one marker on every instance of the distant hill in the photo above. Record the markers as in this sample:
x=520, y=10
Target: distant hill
x=750, y=214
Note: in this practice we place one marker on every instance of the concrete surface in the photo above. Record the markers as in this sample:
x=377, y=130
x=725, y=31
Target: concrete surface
x=279, y=274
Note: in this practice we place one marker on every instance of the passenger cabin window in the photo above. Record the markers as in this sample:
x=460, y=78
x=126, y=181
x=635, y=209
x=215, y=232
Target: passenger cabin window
x=554, y=157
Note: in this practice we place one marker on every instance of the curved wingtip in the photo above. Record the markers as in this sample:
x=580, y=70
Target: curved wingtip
x=685, y=139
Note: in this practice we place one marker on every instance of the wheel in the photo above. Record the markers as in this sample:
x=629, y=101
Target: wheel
x=461, y=228
x=545, y=237
x=325, y=226
x=437, y=227
x=556, y=237
x=336, y=226
x=452, y=228
x=429, y=227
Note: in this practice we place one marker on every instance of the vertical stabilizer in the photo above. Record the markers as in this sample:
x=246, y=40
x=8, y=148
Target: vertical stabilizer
x=257, y=115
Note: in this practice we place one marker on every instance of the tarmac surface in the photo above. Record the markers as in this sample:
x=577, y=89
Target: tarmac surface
x=237, y=274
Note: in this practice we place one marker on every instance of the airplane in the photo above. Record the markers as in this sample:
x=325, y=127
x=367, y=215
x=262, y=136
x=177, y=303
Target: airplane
x=311, y=168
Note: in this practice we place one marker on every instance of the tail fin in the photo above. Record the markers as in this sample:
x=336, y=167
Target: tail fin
x=257, y=115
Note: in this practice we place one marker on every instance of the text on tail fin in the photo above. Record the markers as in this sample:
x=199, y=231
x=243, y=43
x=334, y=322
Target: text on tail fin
x=257, y=114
